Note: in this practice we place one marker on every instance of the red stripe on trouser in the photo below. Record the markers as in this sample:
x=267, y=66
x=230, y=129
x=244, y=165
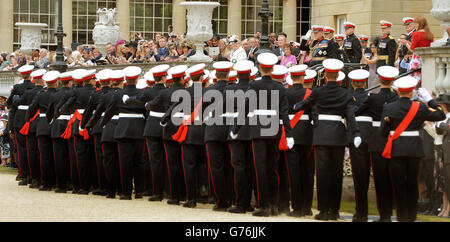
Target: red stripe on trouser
x=18, y=152
x=96, y=163
x=256, y=173
x=104, y=166
x=168, y=170
x=212, y=177
x=40, y=161
x=184, y=173
x=54, y=161
x=393, y=191
x=289, y=176
x=317, y=177
x=78, y=164
x=234, y=174
x=375, y=184
x=120, y=167
x=28, y=158
x=355, y=184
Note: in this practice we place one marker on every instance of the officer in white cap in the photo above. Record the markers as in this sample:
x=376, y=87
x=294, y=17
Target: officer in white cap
x=320, y=48
x=341, y=77
x=216, y=140
x=279, y=73
x=99, y=180
x=333, y=104
x=153, y=131
x=44, y=141
x=16, y=120
x=373, y=107
x=171, y=147
x=29, y=128
x=401, y=123
x=265, y=161
x=299, y=161
x=386, y=44
x=108, y=143
x=352, y=46
x=241, y=147
x=58, y=123
x=76, y=104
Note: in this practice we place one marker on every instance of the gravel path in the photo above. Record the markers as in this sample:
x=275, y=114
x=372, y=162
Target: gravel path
x=20, y=203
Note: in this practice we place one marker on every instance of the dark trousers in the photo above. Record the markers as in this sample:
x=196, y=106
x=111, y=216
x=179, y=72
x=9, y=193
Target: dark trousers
x=174, y=170
x=192, y=158
x=74, y=166
x=242, y=162
x=155, y=148
x=281, y=174
x=383, y=185
x=221, y=175
x=264, y=160
x=300, y=164
x=62, y=162
x=47, y=161
x=99, y=174
x=111, y=164
x=84, y=160
x=131, y=165
x=21, y=144
x=329, y=175
x=404, y=172
x=33, y=156
x=360, y=160
x=148, y=171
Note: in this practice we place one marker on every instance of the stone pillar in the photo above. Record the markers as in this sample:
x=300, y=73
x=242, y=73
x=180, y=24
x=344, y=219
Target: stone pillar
x=178, y=17
x=123, y=17
x=67, y=22
x=6, y=28
x=290, y=19
x=234, y=17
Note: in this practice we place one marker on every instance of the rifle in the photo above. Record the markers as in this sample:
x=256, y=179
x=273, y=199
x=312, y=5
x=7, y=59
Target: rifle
x=396, y=78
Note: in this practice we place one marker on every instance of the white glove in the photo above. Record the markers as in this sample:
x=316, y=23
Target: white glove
x=357, y=141
x=233, y=136
x=164, y=125
x=424, y=95
x=81, y=130
x=290, y=142
x=125, y=98
x=307, y=35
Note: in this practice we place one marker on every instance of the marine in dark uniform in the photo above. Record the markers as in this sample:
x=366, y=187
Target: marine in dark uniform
x=352, y=46
x=402, y=121
x=387, y=46
x=320, y=49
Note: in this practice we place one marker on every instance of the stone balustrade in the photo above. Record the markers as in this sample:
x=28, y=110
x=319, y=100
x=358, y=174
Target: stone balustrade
x=436, y=70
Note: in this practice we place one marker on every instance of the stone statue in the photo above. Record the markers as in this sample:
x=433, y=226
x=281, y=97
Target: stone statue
x=30, y=36
x=106, y=30
x=441, y=11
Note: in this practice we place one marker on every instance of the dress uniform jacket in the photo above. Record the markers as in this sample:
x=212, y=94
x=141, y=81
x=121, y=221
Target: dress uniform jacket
x=18, y=119
x=26, y=100
x=217, y=132
x=303, y=131
x=244, y=132
x=91, y=108
x=365, y=127
x=195, y=134
x=331, y=100
x=57, y=125
x=373, y=107
x=321, y=50
x=387, y=48
x=352, y=49
x=41, y=102
x=394, y=113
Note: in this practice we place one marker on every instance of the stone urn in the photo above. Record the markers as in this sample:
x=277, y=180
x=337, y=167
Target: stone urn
x=199, y=26
x=106, y=30
x=30, y=36
x=441, y=11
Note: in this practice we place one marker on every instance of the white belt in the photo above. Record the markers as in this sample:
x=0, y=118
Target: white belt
x=408, y=133
x=103, y=114
x=115, y=117
x=131, y=115
x=23, y=107
x=229, y=115
x=329, y=117
x=364, y=119
x=185, y=117
x=303, y=117
x=156, y=114
x=80, y=111
x=257, y=112
x=42, y=115
x=64, y=117
x=376, y=123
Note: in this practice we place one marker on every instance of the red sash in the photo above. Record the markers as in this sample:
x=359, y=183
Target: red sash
x=283, y=143
x=399, y=130
x=180, y=135
x=68, y=132
x=26, y=127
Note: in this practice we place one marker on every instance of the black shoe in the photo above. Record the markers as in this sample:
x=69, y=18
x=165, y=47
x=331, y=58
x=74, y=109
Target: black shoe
x=308, y=212
x=357, y=219
x=45, y=188
x=284, y=209
x=236, y=209
x=296, y=214
x=190, y=204
x=59, y=190
x=18, y=178
x=250, y=209
x=173, y=202
x=274, y=211
x=383, y=220
x=155, y=198
x=23, y=182
x=323, y=216
x=111, y=195
x=75, y=191
x=333, y=215
x=100, y=192
x=262, y=212
x=220, y=208
x=34, y=184
x=83, y=192
x=138, y=195
x=125, y=197
x=147, y=194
